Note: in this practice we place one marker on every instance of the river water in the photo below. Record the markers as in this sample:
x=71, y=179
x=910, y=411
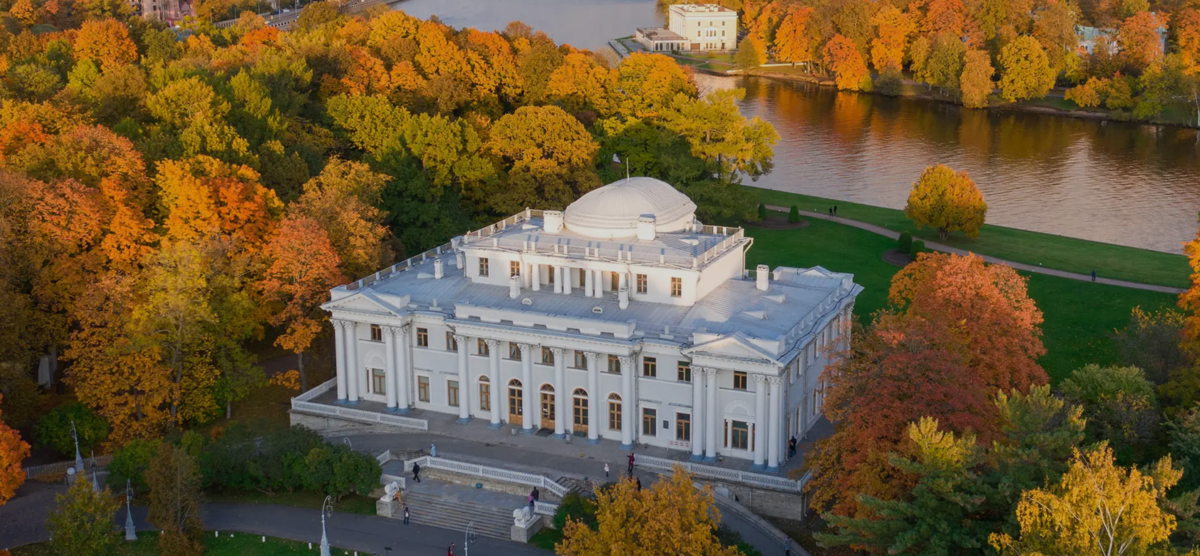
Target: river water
x=1129, y=184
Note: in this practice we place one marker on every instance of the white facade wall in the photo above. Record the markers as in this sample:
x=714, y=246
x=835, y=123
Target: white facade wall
x=705, y=28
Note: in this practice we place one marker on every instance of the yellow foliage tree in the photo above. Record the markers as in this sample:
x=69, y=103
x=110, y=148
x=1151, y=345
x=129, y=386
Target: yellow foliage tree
x=670, y=517
x=976, y=80
x=1097, y=508
x=12, y=451
x=1025, y=70
x=893, y=27
x=947, y=201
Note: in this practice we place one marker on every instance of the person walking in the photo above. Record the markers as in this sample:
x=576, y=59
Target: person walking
x=606, y=470
x=417, y=472
x=537, y=495
x=639, y=484
x=433, y=450
x=531, y=500
x=792, y=447
x=835, y=210
x=630, y=464
x=406, y=515
x=1093, y=275
x=450, y=551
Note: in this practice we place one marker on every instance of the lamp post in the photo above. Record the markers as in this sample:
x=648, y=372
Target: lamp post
x=130, y=530
x=467, y=539
x=78, y=457
x=95, y=481
x=326, y=507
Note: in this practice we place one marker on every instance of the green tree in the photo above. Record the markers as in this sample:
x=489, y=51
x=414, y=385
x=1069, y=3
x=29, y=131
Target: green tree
x=548, y=154
x=82, y=522
x=131, y=462
x=1025, y=71
x=720, y=135
x=944, y=65
x=1151, y=342
x=54, y=430
x=947, y=201
x=750, y=54
x=175, y=500
x=1119, y=404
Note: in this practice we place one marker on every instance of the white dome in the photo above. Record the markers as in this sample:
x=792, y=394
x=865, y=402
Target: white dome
x=613, y=211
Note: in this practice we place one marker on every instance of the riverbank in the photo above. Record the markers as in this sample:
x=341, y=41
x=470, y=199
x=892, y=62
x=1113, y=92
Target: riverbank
x=1034, y=248
x=1079, y=317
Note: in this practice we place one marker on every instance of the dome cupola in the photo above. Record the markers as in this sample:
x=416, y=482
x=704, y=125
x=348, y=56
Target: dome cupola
x=615, y=210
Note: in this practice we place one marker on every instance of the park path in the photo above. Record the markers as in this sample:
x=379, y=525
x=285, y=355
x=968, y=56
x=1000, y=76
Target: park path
x=988, y=258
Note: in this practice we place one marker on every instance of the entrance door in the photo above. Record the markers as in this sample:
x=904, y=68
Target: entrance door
x=579, y=413
x=547, y=409
x=515, y=402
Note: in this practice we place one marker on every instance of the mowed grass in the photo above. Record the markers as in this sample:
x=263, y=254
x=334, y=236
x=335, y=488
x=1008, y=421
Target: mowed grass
x=1079, y=316
x=1048, y=250
x=240, y=544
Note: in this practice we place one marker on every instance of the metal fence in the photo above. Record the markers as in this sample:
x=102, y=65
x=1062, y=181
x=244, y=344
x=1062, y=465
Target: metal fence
x=722, y=474
x=62, y=466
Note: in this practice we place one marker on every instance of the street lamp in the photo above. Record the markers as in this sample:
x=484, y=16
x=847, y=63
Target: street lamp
x=95, y=482
x=326, y=507
x=130, y=530
x=467, y=540
x=346, y=441
x=78, y=457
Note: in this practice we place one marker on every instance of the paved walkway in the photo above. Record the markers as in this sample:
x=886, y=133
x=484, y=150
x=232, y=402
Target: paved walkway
x=993, y=260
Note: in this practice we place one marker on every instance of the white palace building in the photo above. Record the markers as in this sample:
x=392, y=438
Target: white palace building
x=621, y=318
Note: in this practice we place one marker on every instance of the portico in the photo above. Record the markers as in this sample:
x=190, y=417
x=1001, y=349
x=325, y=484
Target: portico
x=621, y=318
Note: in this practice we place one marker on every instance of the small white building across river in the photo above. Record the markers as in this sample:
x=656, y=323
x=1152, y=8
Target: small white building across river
x=622, y=317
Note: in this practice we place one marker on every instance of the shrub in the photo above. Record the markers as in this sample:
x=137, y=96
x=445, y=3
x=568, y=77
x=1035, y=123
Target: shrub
x=889, y=83
x=575, y=508
x=54, y=430
x=130, y=463
x=794, y=215
x=918, y=247
x=905, y=243
x=261, y=456
x=337, y=471
x=762, y=211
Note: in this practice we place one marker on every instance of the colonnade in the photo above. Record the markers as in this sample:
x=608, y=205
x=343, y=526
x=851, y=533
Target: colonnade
x=707, y=421
x=593, y=280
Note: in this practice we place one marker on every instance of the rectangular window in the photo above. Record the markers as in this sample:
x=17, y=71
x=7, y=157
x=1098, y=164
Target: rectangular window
x=583, y=272
x=641, y=283
x=676, y=287
x=485, y=396
x=614, y=415
x=649, y=367
x=547, y=356
x=550, y=272
x=422, y=338
x=739, y=380
x=614, y=364
x=377, y=381
x=484, y=266
x=683, y=371
x=649, y=421
x=739, y=435
x=451, y=343
x=452, y=393
x=514, y=268
x=482, y=347
x=514, y=352
x=683, y=427
x=423, y=388
x=376, y=333
x=580, y=360
x=615, y=281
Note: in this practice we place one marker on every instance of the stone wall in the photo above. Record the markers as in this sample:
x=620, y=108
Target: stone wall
x=326, y=426
x=787, y=505
x=489, y=484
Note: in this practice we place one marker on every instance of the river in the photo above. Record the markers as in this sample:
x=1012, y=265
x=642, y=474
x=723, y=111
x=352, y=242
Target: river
x=1129, y=184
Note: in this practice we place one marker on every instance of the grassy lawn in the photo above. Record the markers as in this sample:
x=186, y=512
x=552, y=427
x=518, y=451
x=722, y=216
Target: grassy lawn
x=237, y=545
x=1051, y=251
x=1078, y=315
x=353, y=504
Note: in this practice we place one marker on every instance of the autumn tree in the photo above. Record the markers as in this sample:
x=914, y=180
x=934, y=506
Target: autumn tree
x=1186, y=26
x=303, y=267
x=849, y=70
x=750, y=54
x=947, y=201
x=1119, y=404
x=671, y=516
x=793, y=42
x=976, y=81
x=175, y=500
x=1151, y=341
x=343, y=201
x=892, y=30
x=943, y=67
x=106, y=42
x=647, y=84
x=945, y=16
x=82, y=521
x=719, y=134
x=13, y=451
x=1025, y=71
x=1097, y=508
x=1140, y=42
x=1054, y=29
x=582, y=83
x=548, y=154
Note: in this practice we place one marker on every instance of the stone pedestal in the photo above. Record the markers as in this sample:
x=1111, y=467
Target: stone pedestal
x=526, y=524
x=388, y=507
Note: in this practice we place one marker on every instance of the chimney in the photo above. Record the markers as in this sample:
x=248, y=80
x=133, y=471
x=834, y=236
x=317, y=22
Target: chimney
x=460, y=260
x=552, y=221
x=645, y=227
x=438, y=269
x=762, y=276
x=514, y=287
x=623, y=296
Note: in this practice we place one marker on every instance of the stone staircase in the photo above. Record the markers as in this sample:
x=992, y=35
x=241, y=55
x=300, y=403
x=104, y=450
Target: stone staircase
x=455, y=514
x=578, y=486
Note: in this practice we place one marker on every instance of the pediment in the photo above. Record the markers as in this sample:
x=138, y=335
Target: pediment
x=735, y=346
x=364, y=302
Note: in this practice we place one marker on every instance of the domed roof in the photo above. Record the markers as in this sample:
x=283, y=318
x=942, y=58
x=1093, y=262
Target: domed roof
x=613, y=211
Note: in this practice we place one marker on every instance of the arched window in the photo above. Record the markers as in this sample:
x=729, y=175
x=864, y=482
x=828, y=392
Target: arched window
x=614, y=412
x=485, y=393
x=579, y=410
x=547, y=406
x=516, y=407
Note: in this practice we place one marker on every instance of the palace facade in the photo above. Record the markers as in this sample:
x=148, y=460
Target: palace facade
x=622, y=317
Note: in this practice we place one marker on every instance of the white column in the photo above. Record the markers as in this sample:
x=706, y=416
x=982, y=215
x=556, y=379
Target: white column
x=595, y=412
x=561, y=396
x=713, y=412
x=558, y=285
x=535, y=271
x=697, y=414
x=389, y=377
x=773, y=432
x=528, y=391
x=352, y=362
x=566, y=279
x=628, y=404
x=760, y=421
x=588, y=280
x=339, y=333
x=403, y=400
x=623, y=280
x=494, y=376
x=464, y=384
x=599, y=284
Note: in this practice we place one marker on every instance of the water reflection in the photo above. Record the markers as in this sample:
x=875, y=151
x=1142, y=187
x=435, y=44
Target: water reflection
x=1136, y=185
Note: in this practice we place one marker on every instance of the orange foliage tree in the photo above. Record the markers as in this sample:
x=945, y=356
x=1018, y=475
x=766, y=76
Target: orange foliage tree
x=107, y=42
x=1187, y=36
x=849, y=69
x=792, y=41
x=12, y=451
x=581, y=83
x=1140, y=42
x=893, y=27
